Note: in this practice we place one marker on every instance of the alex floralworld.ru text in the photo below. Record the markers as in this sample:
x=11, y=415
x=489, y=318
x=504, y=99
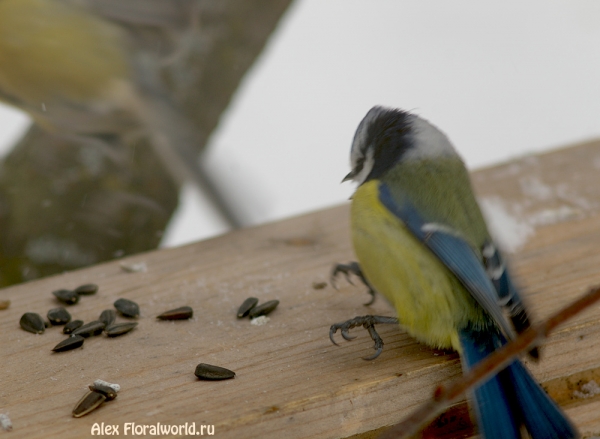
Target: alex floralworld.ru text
x=158, y=429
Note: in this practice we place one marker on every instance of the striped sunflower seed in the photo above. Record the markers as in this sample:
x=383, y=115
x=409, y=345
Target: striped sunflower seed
x=246, y=307
x=92, y=328
x=213, y=373
x=72, y=342
x=32, y=322
x=72, y=326
x=87, y=289
x=89, y=402
x=182, y=313
x=127, y=307
x=107, y=391
x=264, y=309
x=108, y=317
x=68, y=297
x=59, y=316
x=120, y=328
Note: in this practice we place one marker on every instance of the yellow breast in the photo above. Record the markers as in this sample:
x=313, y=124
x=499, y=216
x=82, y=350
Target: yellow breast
x=430, y=302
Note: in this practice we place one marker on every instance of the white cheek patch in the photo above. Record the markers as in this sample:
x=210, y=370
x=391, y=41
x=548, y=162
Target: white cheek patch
x=366, y=169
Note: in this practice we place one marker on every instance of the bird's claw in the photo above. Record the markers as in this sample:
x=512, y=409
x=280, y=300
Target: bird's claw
x=346, y=270
x=367, y=322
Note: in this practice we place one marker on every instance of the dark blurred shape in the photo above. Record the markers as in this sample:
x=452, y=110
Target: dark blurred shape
x=89, y=187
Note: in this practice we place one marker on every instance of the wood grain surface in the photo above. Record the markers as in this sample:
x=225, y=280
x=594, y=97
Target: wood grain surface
x=290, y=380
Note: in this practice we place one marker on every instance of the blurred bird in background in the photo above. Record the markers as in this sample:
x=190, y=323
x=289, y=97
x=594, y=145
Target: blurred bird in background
x=108, y=85
x=77, y=73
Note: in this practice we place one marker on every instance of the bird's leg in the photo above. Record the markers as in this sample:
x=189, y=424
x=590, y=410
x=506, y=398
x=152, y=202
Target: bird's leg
x=352, y=268
x=367, y=322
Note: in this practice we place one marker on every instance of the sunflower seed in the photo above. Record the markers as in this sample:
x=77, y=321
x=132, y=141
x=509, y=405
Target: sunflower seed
x=87, y=289
x=127, y=307
x=213, y=373
x=107, y=391
x=91, y=328
x=120, y=328
x=246, y=307
x=72, y=326
x=72, y=342
x=68, y=297
x=182, y=313
x=264, y=309
x=59, y=316
x=108, y=317
x=88, y=403
x=32, y=322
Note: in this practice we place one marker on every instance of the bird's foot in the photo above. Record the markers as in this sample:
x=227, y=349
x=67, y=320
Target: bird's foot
x=367, y=322
x=347, y=270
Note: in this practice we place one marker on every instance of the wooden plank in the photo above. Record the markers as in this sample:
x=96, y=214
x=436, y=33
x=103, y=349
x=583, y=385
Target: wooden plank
x=290, y=379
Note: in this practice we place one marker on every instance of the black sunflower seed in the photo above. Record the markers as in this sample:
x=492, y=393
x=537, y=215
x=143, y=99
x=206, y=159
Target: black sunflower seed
x=127, y=307
x=120, y=328
x=264, y=309
x=32, y=322
x=182, y=313
x=213, y=373
x=92, y=328
x=88, y=403
x=87, y=289
x=72, y=326
x=107, y=391
x=68, y=297
x=72, y=342
x=59, y=316
x=108, y=317
x=246, y=307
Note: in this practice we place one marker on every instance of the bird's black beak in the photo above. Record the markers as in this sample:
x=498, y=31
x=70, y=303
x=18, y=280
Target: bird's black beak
x=350, y=176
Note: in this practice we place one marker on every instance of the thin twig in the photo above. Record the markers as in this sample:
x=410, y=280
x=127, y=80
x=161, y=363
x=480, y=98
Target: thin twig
x=492, y=364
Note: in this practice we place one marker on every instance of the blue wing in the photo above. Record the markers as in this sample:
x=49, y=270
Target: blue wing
x=454, y=252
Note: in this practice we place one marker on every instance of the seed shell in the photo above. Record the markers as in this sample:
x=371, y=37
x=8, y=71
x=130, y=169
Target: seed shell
x=5, y=422
x=120, y=328
x=72, y=342
x=92, y=328
x=213, y=373
x=107, y=391
x=88, y=403
x=72, y=326
x=264, y=309
x=108, y=317
x=32, y=322
x=182, y=313
x=114, y=386
x=4, y=304
x=87, y=289
x=59, y=316
x=246, y=307
x=127, y=307
x=68, y=297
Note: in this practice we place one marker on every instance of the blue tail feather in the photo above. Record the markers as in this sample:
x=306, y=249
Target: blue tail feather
x=512, y=397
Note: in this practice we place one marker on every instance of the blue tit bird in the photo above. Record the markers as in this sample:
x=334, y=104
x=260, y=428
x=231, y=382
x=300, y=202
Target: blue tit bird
x=422, y=242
